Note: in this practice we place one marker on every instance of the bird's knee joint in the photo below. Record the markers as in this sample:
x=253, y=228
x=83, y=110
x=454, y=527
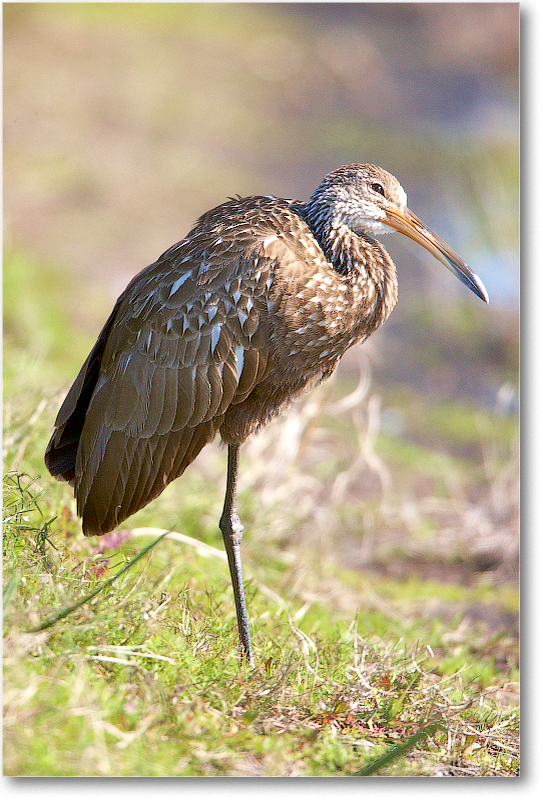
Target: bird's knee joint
x=232, y=528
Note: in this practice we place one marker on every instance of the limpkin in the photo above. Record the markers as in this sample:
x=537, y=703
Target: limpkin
x=257, y=304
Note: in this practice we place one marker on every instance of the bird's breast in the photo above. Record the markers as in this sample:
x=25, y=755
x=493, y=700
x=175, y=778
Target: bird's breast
x=317, y=318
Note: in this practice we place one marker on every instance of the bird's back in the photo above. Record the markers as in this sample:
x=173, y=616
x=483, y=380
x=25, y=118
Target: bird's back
x=222, y=331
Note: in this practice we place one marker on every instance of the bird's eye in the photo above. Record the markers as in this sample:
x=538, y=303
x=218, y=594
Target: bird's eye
x=377, y=188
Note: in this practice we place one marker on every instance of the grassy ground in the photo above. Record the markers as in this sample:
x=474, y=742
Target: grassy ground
x=381, y=587
x=149, y=666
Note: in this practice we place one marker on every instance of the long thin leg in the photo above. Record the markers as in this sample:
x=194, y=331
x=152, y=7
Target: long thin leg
x=232, y=531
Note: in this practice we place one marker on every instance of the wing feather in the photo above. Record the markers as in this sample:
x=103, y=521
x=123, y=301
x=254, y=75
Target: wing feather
x=189, y=337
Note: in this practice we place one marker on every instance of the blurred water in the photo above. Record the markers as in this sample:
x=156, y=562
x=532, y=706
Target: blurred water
x=500, y=275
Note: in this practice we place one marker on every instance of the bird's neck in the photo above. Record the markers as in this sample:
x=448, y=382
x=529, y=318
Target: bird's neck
x=361, y=261
x=358, y=256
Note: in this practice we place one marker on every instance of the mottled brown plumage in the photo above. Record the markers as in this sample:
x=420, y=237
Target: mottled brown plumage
x=257, y=304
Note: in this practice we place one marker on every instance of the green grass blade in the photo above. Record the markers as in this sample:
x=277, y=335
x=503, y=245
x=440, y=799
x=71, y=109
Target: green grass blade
x=400, y=750
x=66, y=611
x=10, y=590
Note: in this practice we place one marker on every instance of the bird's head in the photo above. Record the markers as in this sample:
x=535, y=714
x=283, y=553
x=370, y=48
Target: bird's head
x=370, y=201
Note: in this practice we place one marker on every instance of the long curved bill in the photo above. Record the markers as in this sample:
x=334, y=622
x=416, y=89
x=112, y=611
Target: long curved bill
x=407, y=223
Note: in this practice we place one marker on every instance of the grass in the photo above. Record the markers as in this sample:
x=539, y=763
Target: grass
x=149, y=666
x=359, y=670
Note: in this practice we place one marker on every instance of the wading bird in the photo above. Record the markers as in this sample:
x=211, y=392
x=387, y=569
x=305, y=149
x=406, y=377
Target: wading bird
x=256, y=305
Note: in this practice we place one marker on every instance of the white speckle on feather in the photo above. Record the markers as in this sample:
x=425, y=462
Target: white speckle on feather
x=178, y=283
x=215, y=336
x=240, y=358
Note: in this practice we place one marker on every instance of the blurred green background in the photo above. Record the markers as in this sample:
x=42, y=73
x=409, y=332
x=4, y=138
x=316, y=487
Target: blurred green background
x=124, y=122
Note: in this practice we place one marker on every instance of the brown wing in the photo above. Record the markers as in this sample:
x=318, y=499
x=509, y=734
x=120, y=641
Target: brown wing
x=187, y=338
